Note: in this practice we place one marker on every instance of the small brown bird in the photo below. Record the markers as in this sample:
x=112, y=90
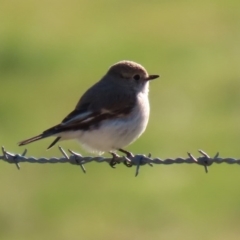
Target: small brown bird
x=111, y=114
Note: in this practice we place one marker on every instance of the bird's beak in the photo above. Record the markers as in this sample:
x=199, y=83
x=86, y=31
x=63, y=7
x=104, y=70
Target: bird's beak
x=151, y=77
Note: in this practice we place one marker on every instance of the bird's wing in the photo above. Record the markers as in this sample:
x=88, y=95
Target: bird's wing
x=95, y=106
x=78, y=115
x=98, y=104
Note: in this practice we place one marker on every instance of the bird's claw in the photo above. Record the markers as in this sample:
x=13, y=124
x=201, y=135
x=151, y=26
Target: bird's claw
x=128, y=162
x=114, y=160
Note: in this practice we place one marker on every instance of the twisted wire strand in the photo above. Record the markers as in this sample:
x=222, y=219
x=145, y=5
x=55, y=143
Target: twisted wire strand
x=137, y=160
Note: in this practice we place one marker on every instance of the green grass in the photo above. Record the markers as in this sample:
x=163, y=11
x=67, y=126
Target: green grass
x=52, y=51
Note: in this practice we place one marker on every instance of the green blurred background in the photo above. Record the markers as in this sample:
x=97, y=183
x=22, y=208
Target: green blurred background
x=52, y=51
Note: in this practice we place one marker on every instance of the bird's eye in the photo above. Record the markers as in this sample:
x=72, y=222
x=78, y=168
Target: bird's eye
x=136, y=77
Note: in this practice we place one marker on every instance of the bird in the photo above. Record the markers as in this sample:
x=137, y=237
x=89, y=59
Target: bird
x=110, y=115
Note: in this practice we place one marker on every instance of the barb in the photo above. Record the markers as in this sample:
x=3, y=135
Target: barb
x=137, y=160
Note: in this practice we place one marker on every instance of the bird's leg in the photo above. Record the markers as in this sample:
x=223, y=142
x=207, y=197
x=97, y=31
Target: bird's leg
x=114, y=160
x=128, y=155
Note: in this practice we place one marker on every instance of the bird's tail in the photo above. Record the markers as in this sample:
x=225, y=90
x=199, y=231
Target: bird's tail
x=48, y=133
x=33, y=139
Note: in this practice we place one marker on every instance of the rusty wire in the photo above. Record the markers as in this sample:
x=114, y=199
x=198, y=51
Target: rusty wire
x=137, y=160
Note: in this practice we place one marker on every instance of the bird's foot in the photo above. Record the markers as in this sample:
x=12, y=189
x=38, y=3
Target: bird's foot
x=129, y=155
x=114, y=159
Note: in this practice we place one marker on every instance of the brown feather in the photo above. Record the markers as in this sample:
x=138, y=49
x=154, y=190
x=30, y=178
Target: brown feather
x=54, y=142
x=33, y=139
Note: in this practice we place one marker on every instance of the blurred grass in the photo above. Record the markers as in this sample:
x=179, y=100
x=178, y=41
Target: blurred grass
x=52, y=51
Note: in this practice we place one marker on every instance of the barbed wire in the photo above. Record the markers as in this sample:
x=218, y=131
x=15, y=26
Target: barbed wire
x=135, y=160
